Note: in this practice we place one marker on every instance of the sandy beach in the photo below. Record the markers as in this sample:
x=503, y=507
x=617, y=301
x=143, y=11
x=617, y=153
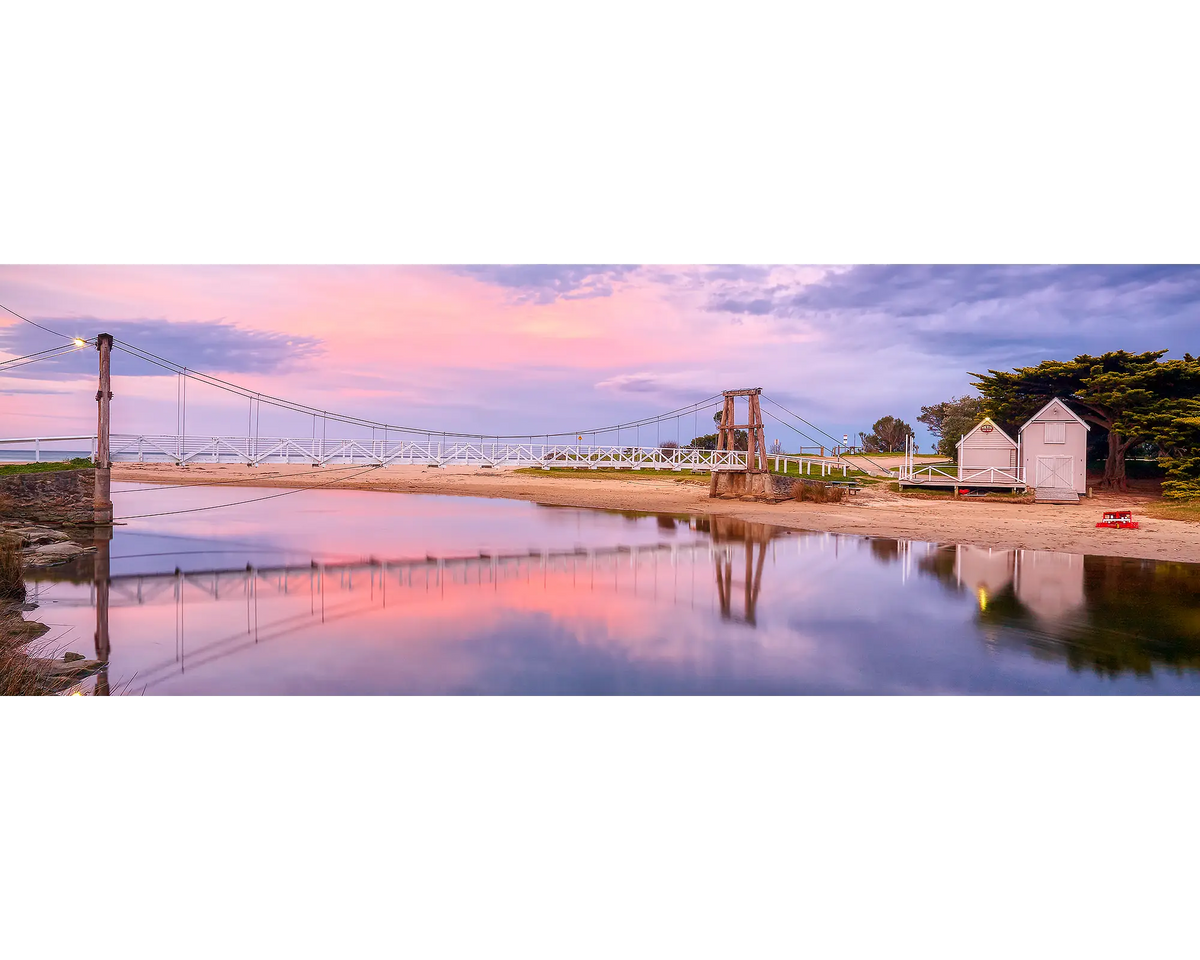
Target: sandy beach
x=872, y=512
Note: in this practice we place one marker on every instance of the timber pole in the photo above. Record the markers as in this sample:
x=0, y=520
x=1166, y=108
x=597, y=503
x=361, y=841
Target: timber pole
x=102, y=506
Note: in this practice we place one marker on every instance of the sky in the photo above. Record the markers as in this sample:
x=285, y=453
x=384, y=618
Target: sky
x=507, y=349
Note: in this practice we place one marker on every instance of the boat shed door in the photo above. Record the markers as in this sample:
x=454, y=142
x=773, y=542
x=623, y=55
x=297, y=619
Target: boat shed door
x=1058, y=472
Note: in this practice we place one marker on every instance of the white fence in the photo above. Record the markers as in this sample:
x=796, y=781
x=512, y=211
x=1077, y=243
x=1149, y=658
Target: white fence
x=949, y=475
x=161, y=448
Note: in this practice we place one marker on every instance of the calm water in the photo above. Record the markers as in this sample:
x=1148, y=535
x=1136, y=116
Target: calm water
x=345, y=592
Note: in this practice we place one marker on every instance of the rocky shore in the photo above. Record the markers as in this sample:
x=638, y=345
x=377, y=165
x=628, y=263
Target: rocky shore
x=27, y=667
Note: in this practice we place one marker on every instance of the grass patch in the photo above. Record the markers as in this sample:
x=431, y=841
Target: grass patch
x=931, y=493
x=1188, y=511
x=79, y=463
x=793, y=470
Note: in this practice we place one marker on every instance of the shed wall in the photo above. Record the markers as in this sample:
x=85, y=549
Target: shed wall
x=1034, y=445
x=981, y=450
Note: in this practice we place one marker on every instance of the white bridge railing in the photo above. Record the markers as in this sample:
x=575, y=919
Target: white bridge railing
x=159, y=448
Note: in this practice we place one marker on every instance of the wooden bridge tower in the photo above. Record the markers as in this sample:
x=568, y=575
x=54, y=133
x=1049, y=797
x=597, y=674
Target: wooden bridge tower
x=756, y=446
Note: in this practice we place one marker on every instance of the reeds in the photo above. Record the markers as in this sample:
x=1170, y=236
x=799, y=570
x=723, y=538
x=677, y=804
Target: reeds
x=12, y=584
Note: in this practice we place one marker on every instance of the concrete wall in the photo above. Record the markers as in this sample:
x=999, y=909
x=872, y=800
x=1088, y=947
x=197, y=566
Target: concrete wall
x=60, y=496
x=1034, y=445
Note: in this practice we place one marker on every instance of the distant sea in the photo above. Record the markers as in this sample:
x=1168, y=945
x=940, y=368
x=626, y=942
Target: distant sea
x=9, y=455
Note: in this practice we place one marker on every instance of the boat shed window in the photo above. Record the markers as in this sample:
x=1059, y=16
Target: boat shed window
x=1056, y=432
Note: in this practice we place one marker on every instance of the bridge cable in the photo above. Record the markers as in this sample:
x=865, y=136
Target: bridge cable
x=845, y=459
x=143, y=354
x=238, y=503
x=246, y=481
x=58, y=351
x=163, y=362
x=54, y=354
x=295, y=407
x=35, y=323
x=886, y=470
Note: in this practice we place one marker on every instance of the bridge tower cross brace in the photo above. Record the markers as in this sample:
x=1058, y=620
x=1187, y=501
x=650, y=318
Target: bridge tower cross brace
x=756, y=446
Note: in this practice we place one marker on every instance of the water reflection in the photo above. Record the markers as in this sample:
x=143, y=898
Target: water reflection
x=1111, y=615
x=652, y=604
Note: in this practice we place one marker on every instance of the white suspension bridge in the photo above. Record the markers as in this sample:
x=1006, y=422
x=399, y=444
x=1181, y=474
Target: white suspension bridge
x=482, y=452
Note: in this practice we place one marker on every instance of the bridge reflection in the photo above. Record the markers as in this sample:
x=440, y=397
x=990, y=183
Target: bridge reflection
x=340, y=592
x=1107, y=615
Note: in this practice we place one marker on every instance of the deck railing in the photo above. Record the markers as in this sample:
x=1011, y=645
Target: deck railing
x=950, y=475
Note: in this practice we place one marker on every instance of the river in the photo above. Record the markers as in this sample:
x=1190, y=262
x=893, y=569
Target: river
x=351, y=592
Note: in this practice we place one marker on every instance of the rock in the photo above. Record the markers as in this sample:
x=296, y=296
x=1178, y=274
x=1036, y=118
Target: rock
x=52, y=553
x=80, y=668
x=17, y=631
x=77, y=669
x=72, y=655
x=34, y=536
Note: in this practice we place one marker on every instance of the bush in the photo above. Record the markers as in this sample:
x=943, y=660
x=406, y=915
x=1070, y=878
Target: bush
x=817, y=492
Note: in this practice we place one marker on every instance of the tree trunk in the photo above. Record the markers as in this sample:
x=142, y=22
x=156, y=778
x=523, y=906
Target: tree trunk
x=1114, y=466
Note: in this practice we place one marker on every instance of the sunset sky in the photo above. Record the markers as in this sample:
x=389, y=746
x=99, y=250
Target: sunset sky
x=508, y=349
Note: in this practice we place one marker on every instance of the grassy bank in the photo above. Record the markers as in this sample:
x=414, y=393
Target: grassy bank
x=79, y=463
x=1188, y=511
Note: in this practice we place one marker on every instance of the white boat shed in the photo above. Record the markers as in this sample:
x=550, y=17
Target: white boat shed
x=987, y=449
x=1054, y=449
x=1049, y=455
x=987, y=458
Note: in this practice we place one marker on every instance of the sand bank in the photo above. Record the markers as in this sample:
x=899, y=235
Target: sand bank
x=873, y=512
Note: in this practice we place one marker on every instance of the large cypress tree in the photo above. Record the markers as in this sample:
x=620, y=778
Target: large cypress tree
x=1127, y=395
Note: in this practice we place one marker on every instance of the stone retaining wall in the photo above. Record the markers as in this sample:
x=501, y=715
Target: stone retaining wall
x=60, y=496
x=739, y=484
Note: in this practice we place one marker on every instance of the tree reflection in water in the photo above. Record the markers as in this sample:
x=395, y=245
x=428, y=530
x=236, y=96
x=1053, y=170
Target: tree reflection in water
x=1111, y=615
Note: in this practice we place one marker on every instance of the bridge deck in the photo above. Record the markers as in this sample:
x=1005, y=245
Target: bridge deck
x=251, y=451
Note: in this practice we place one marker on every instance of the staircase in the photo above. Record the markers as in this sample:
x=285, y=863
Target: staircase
x=1055, y=495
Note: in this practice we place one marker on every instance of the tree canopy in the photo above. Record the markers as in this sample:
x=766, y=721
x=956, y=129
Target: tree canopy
x=1132, y=397
x=887, y=436
x=950, y=420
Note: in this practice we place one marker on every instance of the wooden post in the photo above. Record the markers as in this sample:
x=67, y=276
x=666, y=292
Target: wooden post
x=756, y=442
x=102, y=507
x=724, y=437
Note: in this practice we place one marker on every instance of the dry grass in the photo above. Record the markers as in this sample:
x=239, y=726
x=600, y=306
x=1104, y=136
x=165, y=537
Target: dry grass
x=12, y=585
x=1188, y=511
x=818, y=493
